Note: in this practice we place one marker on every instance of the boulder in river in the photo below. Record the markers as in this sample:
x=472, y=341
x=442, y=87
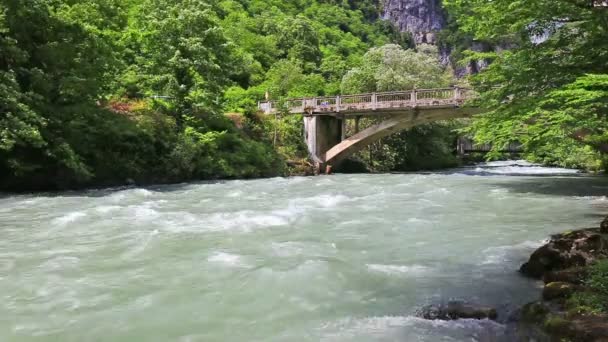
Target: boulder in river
x=570, y=249
x=457, y=310
x=604, y=226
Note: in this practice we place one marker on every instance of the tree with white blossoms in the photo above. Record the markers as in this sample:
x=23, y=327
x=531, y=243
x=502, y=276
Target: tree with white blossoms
x=392, y=68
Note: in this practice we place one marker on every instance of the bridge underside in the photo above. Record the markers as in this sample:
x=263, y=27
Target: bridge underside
x=325, y=133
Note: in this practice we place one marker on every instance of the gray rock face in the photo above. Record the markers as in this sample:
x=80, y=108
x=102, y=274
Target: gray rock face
x=422, y=18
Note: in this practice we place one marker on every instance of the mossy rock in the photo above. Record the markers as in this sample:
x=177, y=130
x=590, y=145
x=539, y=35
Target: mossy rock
x=558, y=290
x=557, y=326
x=534, y=312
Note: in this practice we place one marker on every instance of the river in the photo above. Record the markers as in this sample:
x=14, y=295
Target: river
x=335, y=258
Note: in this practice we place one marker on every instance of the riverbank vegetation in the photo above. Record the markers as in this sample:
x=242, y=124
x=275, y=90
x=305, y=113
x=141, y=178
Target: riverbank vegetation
x=110, y=91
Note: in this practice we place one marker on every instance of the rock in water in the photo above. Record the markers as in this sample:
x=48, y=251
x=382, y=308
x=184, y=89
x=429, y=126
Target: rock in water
x=457, y=310
x=604, y=226
x=571, y=249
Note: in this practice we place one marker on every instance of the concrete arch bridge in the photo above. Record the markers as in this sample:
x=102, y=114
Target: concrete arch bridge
x=325, y=118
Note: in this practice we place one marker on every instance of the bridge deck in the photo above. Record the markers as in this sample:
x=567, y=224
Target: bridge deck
x=369, y=103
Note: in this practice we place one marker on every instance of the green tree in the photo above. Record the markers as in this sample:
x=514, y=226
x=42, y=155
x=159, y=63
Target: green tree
x=392, y=68
x=547, y=90
x=47, y=75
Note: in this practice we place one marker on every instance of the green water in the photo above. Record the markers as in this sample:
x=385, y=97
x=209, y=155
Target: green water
x=340, y=258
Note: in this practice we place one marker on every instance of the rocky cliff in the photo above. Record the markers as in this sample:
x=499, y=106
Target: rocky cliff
x=421, y=18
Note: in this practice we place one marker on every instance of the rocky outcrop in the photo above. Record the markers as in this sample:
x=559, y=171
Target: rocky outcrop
x=421, y=18
x=567, y=250
x=563, y=265
x=563, y=327
x=457, y=310
x=574, y=275
x=558, y=289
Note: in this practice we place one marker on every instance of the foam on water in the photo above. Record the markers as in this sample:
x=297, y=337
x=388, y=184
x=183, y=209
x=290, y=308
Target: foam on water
x=341, y=258
x=501, y=254
x=68, y=218
x=415, y=270
x=227, y=259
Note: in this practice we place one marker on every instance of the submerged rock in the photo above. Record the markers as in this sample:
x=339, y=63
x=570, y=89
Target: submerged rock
x=457, y=310
x=571, y=249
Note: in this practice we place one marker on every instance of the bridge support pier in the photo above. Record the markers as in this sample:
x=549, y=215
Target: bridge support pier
x=322, y=132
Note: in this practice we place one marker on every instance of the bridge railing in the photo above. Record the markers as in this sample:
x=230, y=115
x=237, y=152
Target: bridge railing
x=369, y=102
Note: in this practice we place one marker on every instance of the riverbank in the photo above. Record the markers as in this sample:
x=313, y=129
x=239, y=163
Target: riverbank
x=574, y=269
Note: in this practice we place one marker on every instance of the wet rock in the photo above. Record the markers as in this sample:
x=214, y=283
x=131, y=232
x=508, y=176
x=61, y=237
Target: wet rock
x=574, y=275
x=457, y=310
x=558, y=290
x=604, y=226
x=571, y=249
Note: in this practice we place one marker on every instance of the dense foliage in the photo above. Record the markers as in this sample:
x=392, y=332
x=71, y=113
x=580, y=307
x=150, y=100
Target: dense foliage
x=548, y=90
x=299, y=48
x=107, y=91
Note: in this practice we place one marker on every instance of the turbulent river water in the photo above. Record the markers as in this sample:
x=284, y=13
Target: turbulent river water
x=337, y=258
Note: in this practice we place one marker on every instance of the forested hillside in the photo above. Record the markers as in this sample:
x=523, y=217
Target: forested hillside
x=110, y=92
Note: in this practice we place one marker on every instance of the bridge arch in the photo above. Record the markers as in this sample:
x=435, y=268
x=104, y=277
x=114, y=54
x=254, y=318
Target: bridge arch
x=325, y=117
x=392, y=125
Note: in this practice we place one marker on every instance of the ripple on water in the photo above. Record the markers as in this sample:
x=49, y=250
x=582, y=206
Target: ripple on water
x=347, y=252
x=501, y=254
x=413, y=270
x=403, y=327
x=226, y=259
x=68, y=218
